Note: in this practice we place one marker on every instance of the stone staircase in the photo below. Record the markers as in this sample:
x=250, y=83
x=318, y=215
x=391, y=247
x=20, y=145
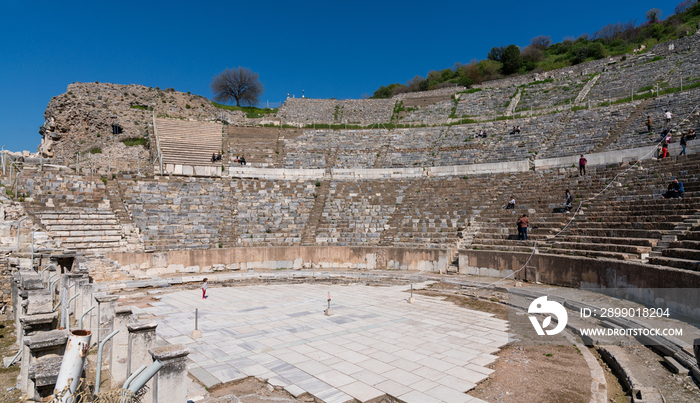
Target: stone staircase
x=634, y=119
x=188, y=142
x=308, y=236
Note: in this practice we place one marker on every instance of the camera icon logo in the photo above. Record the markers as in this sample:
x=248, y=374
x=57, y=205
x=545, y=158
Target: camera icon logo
x=542, y=306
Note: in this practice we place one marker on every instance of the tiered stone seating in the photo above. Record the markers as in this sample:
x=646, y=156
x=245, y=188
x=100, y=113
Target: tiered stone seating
x=435, y=212
x=75, y=210
x=364, y=112
x=585, y=129
x=357, y=212
x=207, y=214
x=484, y=103
x=626, y=222
x=544, y=94
x=681, y=104
x=188, y=143
x=681, y=254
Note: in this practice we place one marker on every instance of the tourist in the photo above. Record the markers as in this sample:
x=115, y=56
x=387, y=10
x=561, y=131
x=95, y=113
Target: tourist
x=683, y=144
x=668, y=116
x=204, y=289
x=669, y=192
x=213, y=157
x=678, y=189
x=648, y=123
x=517, y=129
x=236, y=160
x=522, y=227
x=568, y=200
x=667, y=139
x=242, y=160
x=218, y=156
x=582, y=166
x=513, y=131
x=511, y=204
x=664, y=150
x=691, y=135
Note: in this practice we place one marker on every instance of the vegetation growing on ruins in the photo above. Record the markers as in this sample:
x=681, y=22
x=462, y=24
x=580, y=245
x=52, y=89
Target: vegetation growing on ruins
x=250, y=111
x=541, y=55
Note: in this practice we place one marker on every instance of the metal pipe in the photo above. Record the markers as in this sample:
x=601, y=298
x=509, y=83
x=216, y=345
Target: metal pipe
x=72, y=365
x=138, y=383
x=68, y=310
x=80, y=322
x=46, y=268
x=133, y=376
x=99, y=361
x=57, y=305
x=33, y=248
x=51, y=278
x=52, y=284
x=19, y=225
x=12, y=361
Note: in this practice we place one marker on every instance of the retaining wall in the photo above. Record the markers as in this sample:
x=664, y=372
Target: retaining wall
x=297, y=257
x=644, y=282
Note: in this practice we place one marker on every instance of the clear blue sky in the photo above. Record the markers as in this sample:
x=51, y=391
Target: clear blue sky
x=327, y=48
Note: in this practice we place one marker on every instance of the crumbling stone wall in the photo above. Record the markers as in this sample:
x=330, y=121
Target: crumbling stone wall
x=84, y=117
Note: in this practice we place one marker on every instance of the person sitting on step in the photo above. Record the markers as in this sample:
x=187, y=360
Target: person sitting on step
x=568, y=200
x=511, y=204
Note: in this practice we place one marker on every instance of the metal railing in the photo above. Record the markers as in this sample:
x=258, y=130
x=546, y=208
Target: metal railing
x=155, y=134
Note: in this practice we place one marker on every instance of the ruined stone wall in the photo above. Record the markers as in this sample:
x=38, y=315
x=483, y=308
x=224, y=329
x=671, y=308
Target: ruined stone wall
x=81, y=119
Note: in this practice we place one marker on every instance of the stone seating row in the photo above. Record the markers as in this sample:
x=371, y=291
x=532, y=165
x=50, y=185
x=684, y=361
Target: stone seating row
x=188, y=142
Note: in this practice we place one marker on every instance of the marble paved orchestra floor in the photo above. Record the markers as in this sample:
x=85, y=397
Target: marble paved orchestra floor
x=376, y=343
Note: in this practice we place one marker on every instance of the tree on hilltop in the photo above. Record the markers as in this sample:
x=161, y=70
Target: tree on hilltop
x=511, y=59
x=653, y=15
x=240, y=84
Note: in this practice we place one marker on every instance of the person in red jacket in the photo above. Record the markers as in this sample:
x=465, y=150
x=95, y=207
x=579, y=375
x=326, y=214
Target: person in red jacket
x=522, y=227
x=582, y=166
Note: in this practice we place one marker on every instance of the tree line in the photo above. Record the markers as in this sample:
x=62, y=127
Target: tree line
x=541, y=55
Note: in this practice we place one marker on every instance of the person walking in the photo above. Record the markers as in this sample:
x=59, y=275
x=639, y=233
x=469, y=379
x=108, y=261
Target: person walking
x=204, y=289
x=582, y=166
x=683, y=144
x=648, y=123
x=522, y=227
x=667, y=117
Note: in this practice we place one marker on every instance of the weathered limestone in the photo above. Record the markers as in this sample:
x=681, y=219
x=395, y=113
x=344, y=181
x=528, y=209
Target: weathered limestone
x=170, y=383
x=142, y=338
x=106, y=307
x=41, y=360
x=120, y=342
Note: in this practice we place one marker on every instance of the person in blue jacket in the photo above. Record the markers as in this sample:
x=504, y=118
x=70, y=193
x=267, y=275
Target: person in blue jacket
x=678, y=188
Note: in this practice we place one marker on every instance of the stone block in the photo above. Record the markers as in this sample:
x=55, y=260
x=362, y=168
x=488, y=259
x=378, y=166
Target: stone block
x=174, y=268
x=190, y=269
x=39, y=301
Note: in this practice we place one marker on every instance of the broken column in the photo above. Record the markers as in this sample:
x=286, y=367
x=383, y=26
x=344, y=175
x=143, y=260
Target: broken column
x=106, y=307
x=120, y=342
x=170, y=383
x=142, y=337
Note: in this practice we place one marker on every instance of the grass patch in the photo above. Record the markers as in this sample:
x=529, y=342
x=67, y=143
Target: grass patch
x=140, y=107
x=135, y=141
x=249, y=110
x=95, y=150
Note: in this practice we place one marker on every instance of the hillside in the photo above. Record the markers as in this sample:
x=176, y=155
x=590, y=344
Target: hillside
x=92, y=118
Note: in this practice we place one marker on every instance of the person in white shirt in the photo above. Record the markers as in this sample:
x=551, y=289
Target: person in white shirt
x=668, y=117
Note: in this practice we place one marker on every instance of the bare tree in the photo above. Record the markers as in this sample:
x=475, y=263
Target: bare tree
x=240, y=84
x=541, y=42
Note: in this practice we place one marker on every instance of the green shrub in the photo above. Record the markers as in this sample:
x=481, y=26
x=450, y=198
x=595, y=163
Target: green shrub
x=135, y=141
